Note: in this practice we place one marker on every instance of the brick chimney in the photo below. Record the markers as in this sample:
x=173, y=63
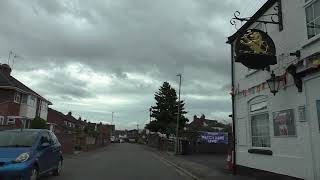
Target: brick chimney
x=5, y=69
x=69, y=113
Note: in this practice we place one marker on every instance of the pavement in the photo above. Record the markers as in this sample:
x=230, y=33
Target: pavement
x=120, y=162
x=205, y=168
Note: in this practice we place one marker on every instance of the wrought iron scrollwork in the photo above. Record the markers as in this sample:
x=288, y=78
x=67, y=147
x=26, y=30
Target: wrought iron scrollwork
x=277, y=14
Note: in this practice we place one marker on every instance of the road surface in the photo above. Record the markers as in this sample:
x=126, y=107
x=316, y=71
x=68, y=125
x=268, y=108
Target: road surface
x=119, y=162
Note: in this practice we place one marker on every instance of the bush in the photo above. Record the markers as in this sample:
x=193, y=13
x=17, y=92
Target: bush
x=38, y=123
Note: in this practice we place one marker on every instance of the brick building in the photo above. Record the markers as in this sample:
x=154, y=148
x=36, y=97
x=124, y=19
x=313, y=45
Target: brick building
x=18, y=103
x=77, y=134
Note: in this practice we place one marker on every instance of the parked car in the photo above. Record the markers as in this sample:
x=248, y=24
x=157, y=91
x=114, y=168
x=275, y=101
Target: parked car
x=112, y=139
x=29, y=153
x=132, y=140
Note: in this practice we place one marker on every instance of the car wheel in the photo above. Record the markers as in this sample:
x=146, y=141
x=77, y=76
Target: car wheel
x=34, y=174
x=57, y=171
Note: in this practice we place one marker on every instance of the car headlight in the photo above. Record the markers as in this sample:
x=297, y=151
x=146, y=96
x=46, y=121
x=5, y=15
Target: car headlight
x=22, y=158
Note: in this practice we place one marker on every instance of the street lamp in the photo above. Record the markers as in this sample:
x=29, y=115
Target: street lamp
x=178, y=117
x=274, y=83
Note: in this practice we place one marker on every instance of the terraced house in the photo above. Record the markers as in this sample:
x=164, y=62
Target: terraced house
x=18, y=103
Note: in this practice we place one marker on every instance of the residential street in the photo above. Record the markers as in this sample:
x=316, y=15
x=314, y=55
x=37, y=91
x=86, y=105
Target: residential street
x=118, y=162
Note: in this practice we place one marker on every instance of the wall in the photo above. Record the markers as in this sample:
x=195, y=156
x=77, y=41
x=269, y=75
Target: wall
x=291, y=155
x=9, y=109
x=6, y=95
x=27, y=111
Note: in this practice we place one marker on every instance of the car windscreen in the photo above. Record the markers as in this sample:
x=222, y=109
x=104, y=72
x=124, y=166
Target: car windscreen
x=17, y=138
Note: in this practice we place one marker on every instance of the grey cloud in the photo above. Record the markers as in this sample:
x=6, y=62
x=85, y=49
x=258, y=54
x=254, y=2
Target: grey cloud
x=155, y=38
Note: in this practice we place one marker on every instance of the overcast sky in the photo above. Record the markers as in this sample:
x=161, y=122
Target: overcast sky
x=98, y=56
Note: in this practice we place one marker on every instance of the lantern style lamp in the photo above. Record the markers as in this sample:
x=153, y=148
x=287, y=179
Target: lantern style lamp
x=274, y=83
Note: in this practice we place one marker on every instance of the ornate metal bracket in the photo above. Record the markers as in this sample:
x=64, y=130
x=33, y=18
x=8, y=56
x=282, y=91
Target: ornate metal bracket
x=278, y=14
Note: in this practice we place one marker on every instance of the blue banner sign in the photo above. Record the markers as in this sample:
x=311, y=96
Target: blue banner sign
x=214, y=137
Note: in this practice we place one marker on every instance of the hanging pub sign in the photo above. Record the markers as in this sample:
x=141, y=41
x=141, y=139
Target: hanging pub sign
x=255, y=49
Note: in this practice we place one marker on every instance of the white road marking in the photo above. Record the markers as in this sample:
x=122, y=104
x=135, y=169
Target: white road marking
x=180, y=170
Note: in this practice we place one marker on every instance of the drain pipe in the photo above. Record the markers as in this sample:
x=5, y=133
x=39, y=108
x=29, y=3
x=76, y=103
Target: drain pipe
x=233, y=112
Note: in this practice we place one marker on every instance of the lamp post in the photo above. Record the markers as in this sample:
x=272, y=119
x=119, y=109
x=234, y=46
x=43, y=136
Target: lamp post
x=178, y=117
x=112, y=118
x=274, y=83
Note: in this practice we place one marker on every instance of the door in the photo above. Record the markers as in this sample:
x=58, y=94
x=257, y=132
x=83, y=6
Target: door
x=45, y=153
x=312, y=87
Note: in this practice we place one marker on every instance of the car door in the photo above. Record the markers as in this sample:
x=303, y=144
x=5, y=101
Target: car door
x=56, y=150
x=45, y=153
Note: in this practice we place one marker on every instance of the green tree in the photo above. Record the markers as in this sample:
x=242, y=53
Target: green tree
x=166, y=110
x=39, y=123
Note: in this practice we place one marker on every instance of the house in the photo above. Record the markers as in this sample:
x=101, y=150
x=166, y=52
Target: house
x=207, y=125
x=276, y=89
x=105, y=131
x=18, y=103
x=61, y=123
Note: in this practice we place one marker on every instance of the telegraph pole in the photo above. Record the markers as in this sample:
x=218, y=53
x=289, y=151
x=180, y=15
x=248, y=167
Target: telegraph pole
x=178, y=117
x=150, y=110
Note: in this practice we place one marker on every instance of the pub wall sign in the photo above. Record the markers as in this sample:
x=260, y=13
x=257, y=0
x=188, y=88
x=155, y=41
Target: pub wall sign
x=255, y=50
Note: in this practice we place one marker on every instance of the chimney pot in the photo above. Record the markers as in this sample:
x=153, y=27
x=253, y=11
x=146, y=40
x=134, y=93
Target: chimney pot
x=6, y=69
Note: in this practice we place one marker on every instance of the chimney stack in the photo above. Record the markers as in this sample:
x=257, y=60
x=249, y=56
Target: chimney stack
x=5, y=69
x=69, y=113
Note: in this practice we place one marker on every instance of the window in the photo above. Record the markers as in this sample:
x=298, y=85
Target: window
x=24, y=99
x=11, y=122
x=17, y=97
x=44, y=106
x=45, y=138
x=260, y=130
x=32, y=101
x=1, y=120
x=313, y=19
x=54, y=138
x=258, y=106
x=283, y=123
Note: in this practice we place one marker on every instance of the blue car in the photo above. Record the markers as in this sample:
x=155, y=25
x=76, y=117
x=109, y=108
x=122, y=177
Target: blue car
x=28, y=154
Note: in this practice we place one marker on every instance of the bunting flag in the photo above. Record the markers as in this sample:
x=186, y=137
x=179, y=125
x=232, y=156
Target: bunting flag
x=250, y=91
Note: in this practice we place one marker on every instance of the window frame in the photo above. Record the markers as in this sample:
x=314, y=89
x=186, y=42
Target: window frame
x=24, y=99
x=32, y=101
x=2, y=121
x=251, y=136
x=257, y=100
x=307, y=4
x=17, y=98
x=11, y=121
